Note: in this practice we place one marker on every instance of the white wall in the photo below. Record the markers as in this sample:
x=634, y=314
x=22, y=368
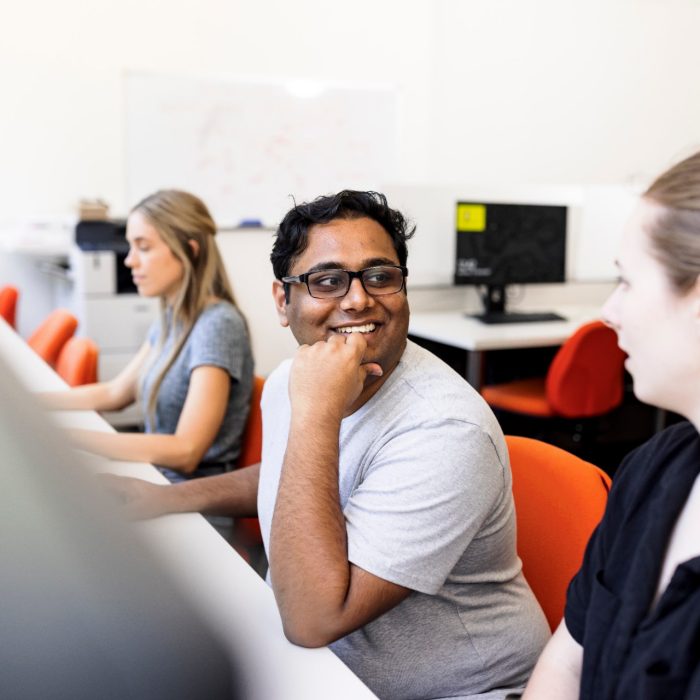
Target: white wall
x=491, y=92
x=246, y=255
x=62, y=122
x=548, y=91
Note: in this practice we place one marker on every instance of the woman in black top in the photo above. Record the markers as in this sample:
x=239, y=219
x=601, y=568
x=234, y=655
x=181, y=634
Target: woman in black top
x=632, y=622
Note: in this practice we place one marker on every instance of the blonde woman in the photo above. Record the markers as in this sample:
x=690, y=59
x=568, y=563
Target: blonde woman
x=193, y=375
x=632, y=623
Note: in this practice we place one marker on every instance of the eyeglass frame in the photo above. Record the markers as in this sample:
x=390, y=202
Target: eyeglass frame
x=352, y=274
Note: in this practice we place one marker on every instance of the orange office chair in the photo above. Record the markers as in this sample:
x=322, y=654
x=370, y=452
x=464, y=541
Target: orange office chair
x=77, y=362
x=8, y=304
x=559, y=500
x=246, y=531
x=52, y=334
x=585, y=379
x=251, y=448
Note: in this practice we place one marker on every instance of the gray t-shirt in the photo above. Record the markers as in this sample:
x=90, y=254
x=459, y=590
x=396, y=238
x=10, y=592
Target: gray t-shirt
x=425, y=488
x=219, y=338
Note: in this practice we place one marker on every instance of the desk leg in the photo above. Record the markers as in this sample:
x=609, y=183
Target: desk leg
x=475, y=368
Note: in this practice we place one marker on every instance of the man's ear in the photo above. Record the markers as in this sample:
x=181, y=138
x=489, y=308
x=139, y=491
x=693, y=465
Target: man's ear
x=278, y=294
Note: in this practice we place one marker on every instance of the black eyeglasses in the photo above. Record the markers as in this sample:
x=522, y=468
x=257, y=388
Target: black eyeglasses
x=333, y=284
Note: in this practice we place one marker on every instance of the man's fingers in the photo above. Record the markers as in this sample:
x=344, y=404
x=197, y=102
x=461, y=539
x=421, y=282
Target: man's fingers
x=373, y=368
x=357, y=342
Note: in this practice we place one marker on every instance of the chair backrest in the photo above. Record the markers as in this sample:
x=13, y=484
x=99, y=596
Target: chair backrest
x=251, y=448
x=77, y=362
x=586, y=376
x=52, y=334
x=559, y=500
x=8, y=304
x=247, y=530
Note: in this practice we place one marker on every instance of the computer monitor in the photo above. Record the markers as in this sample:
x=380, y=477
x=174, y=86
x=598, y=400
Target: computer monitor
x=502, y=244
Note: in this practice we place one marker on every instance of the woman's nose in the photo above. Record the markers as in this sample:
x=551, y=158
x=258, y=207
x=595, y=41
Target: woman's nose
x=608, y=313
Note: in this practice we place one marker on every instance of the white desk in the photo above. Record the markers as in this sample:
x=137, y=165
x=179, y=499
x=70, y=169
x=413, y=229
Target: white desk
x=457, y=330
x=238, y=605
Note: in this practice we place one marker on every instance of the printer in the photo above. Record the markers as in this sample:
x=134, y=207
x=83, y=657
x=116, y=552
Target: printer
x=101, y=250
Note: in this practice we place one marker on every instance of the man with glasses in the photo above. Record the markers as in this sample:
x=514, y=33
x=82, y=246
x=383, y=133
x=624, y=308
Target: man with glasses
x=384, y=495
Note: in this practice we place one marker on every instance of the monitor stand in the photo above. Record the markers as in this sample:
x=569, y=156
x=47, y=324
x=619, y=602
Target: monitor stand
x=494, y=300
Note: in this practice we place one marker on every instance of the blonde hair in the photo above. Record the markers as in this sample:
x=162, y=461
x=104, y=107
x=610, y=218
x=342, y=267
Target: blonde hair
x=675, y=233
x=188, y=229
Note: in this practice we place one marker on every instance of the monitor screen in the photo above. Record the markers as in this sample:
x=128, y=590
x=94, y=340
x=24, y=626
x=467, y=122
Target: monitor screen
x=501, y=244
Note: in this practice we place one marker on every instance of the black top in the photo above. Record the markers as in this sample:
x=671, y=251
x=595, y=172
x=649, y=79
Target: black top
x=629, y=652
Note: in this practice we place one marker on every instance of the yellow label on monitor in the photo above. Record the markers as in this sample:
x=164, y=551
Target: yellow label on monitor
x=471, y=217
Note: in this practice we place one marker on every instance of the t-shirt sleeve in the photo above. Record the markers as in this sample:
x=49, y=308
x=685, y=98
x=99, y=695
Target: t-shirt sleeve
x=219, y=339
x=425, y=496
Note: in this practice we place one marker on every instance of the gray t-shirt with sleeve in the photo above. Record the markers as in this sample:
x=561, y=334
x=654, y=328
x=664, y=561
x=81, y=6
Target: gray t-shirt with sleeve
x=219, y=339
x=425, y=488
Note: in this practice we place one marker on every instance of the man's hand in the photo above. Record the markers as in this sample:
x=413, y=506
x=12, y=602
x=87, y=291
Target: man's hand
x=233, y=494
x=329, y=376
x=141, y=499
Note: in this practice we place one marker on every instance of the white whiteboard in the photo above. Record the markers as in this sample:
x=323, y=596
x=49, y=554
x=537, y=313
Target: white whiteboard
x=245, y=147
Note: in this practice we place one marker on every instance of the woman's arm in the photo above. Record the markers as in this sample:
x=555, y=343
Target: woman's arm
x=200, y=420
x=113, y=395
x=557, y=675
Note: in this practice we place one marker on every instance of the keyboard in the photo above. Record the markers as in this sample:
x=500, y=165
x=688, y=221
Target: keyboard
x=517, y=317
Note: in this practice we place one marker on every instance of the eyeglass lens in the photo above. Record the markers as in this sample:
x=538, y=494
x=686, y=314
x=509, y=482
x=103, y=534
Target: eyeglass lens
x=335, y=283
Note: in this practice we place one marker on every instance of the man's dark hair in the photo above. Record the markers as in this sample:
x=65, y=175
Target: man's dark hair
x=293, y=233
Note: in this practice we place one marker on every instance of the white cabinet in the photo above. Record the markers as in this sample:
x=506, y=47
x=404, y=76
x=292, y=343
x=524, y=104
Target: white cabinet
x=118, y=322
